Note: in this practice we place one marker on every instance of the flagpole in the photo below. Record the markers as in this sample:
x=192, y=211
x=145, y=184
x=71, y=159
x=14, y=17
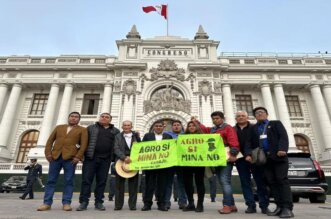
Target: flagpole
x=167, y=20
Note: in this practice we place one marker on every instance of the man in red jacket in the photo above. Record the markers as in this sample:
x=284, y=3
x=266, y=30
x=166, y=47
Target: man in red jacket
x=224, y=173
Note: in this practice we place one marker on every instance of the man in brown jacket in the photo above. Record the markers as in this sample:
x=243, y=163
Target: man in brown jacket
x=65, y=147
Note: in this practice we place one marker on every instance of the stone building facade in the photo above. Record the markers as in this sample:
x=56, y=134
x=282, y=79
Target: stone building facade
x=163, y=78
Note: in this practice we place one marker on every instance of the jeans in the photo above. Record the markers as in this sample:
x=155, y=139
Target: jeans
x=98, y=168
x=245, y=170
x=53, y=174
x=223, y=174
x=179, y=187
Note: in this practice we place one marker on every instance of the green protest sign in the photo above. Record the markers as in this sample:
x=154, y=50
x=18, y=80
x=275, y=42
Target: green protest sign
x=200, y=150
x=187, y=150
x=153, y=155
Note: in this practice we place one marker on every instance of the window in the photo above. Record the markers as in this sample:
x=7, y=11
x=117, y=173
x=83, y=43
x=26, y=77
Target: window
x=39, y=104
x=293, y=106
x=29, y=140
x=90, y=104
x=244, y=103
x=301, y=143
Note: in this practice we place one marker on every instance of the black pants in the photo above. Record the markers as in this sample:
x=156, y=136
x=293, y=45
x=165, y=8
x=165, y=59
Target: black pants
x=112, y=179
x=156, y=182
x=276, y=176
x=199, y=173
x=98, y=168
x=29, y=188
x=120, y=188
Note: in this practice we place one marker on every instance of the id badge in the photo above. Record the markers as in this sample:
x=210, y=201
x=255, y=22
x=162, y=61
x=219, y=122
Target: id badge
x=263, y=136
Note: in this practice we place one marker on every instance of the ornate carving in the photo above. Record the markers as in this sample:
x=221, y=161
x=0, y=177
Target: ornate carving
x=167, y=99
x=217, y=87
x=167, y=69
x=129, y=87
x=205, y=88
x=117, y=86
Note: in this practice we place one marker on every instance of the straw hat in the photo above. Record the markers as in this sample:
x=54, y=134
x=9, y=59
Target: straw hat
x=122, y=169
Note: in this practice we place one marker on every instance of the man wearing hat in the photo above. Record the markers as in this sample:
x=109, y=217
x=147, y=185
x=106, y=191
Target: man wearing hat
x=35, y=171
x=273, y=138
x=97, y=161
x=122, y=148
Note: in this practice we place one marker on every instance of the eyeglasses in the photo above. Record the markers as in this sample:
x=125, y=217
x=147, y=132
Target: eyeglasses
x=259, y=112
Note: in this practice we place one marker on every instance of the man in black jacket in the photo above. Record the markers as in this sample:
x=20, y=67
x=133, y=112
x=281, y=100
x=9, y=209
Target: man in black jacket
x=156, y=180
x=122, y=149
x=97, y=161
x=35, y=171
x=272, y=137
x=246, y=169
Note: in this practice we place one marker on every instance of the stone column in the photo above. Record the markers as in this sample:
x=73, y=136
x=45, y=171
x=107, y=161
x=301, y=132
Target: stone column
x=322, y=114
x=327, y=96
x=267, y=100
x=284, y=116
x=227, y=104
x=106, y=99
x=65, y=105
x=8, y=121
x=3, y=93
x=49, y=114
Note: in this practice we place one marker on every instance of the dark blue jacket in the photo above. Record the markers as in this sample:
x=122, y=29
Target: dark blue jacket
x=34, y=171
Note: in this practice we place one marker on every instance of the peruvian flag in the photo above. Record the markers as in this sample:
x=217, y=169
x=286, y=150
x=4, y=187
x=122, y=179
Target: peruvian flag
x=161, y=9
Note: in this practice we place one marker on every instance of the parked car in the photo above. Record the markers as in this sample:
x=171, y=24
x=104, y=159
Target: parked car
x=14, y=183
x=307, y=179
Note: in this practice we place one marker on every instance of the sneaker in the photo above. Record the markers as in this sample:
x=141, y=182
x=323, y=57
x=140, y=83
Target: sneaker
x=66, y=207
x=99, y=206
x=44, y=208
x=82, y=207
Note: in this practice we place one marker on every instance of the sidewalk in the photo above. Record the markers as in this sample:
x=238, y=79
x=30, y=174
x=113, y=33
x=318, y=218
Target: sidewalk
x=12, y=207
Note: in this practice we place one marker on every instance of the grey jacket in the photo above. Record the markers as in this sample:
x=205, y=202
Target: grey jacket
x=93, y=131
x=121, y=148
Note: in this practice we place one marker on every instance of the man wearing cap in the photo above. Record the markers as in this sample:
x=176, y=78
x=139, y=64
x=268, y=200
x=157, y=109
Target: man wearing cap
x=122, y=149
x=64, y=148
x=156, y=180
x=35, y=171
x=272, y=137
x=97, y=161
x=246, y=170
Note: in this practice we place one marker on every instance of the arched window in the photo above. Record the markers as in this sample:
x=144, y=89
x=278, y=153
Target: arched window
x=302, y=143
x=28, y=141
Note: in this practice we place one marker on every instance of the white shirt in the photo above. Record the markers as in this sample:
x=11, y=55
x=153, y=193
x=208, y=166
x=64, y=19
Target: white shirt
x=158, y=137
x=128, y=138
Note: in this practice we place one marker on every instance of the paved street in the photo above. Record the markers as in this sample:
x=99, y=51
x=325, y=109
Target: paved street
x=12, y=207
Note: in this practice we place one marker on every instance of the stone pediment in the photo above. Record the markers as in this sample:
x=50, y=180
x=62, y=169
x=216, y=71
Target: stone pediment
x=167, y=69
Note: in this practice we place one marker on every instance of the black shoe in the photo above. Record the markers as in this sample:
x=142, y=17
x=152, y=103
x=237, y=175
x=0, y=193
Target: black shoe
x=189, y=207
x=111, y=199
x=99, y=206
x=162, y=208
x=133, y=209
x=199, y=208
x=265, y=210
x=286, y=213
x=181, y=206
x=21, y=197
x=117, y=209
x=212, y=200
x=276, y=212
x=82, y=206
x=146, y=208
x=250, y=210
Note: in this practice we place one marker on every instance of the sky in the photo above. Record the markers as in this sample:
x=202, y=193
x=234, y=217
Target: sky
x=91, y=27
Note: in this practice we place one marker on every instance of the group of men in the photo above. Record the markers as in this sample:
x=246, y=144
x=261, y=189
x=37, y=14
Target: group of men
x=99, y=144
